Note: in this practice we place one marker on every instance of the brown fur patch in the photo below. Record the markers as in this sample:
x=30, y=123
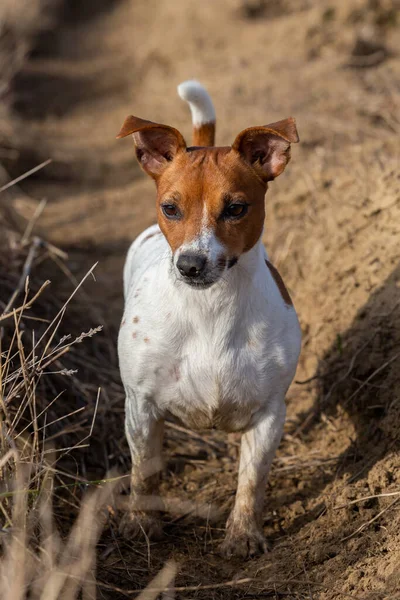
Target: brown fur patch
x=211, y=176
x=204, y=135
x=279, y=282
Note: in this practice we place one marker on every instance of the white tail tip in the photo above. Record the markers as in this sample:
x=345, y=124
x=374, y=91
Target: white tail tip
x=199, y=100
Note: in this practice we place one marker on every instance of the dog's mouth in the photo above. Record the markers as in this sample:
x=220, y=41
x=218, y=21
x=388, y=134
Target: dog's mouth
x=204, y=281
x=199, y=285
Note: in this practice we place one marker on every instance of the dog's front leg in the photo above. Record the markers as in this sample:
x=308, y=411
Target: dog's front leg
x=145, y=438
x=244, y=535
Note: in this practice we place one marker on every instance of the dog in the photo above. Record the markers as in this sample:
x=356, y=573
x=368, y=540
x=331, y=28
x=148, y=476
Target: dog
x=209, y=333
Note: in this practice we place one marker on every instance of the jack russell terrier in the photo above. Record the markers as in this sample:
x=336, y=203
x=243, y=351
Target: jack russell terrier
x=209, y=333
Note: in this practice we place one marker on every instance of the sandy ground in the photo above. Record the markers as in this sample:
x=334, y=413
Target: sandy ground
x=332, y=228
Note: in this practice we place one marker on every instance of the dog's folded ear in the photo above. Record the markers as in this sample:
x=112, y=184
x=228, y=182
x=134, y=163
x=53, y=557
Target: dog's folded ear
x=156, y=145
x=267, y=148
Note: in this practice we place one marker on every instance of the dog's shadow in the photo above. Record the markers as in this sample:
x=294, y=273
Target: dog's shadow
x=358, y=378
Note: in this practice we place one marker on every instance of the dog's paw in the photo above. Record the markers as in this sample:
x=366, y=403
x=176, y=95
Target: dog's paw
x=243, y=544
x=135, y=524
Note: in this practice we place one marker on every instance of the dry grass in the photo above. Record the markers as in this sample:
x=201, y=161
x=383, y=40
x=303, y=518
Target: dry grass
x=35, y=562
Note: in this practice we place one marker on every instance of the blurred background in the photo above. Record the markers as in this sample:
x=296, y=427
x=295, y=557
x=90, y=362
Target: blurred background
x=70, y=72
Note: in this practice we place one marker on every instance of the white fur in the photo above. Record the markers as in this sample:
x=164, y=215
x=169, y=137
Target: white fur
x=207, y=243
x=220, y=357
x=200, y=103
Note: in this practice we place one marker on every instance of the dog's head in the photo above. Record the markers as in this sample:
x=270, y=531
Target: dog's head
x=210, y=200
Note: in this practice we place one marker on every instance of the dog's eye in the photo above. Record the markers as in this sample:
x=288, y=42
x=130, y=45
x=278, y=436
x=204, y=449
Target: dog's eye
x=235, y=211
x=170, y=211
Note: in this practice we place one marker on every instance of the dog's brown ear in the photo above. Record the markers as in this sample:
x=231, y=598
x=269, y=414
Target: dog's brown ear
x=267, y=148
x=156, y=145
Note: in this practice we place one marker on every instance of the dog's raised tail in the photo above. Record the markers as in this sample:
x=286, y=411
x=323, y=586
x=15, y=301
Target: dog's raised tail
x=202, y=109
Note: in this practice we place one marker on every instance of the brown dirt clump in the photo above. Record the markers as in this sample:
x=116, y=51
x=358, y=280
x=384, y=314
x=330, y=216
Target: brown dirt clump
x=332, y=229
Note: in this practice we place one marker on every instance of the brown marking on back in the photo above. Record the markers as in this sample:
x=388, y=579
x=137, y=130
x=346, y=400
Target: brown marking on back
x=146, y=340
x=204, y=135
x=135, y=320
x=279, y=282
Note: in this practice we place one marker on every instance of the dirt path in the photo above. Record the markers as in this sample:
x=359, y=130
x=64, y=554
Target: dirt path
x=332, y=228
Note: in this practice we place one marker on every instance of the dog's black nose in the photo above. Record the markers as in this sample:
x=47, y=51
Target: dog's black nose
x=191, y=265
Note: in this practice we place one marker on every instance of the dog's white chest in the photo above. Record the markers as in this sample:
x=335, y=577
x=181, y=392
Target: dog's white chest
x=191, y=369
x=211, y=358
x=213, y=383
